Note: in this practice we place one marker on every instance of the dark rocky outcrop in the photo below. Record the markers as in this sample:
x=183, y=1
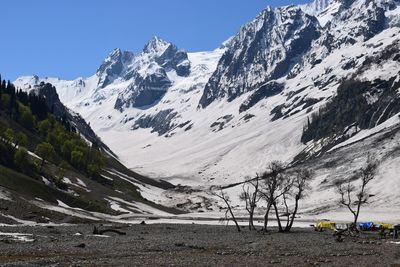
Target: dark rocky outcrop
x=48, y=91
x=358, y=105
x=175, y=59
x=144, y=91
x=148, y=74
x=265, y=91
x=221, y=123
x=113, y=66
x=160, y=123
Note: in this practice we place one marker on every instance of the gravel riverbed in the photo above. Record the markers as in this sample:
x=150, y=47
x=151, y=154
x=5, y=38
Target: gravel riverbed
x=188, y=245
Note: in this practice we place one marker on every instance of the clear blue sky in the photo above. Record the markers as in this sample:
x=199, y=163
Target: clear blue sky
x=70, y=38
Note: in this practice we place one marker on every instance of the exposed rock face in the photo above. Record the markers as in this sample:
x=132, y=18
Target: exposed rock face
x=358, y=105
x=263, y=50
x=270, y=89
x=113, y=66
x=175, y=59
x=144, y=91
x=160, y=123
x=282, y=41
x=362, y=23
x=148, y=73
x=350, y=22
x=53, y=102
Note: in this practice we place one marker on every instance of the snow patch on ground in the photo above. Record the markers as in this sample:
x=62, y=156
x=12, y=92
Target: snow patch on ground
x=79, y=183
x=17, y=237
x=5, y=195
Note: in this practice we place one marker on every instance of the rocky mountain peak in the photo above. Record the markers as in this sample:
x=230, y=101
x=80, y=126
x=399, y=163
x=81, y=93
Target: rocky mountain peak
x=264, y=49
x=148, y=73
x=115, y=53
x=358, y=20
x=113, y=66
x=156, y=46
x=167, y=55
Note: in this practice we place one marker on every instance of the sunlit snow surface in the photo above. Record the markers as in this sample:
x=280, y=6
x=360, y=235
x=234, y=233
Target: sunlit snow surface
x=201, y=157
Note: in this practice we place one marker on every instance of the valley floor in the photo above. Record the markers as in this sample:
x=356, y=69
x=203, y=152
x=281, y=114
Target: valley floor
x=188, y=245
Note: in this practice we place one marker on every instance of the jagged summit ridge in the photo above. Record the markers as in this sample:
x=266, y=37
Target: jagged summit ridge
x=148, y=73
x=349, y=22
x=145, y=74
x=113, y=66
x=264, y=49
x=156, y=46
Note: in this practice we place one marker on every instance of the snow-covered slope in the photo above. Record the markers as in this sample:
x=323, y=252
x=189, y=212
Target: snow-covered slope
x=316, y=7
x=212, y=118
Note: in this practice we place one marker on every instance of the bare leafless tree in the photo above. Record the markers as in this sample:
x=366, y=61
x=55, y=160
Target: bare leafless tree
x=300, y=185
x=354, y=197
x=229, y=210
x=281, y=187
x=251, y=196
x=285, y=200
x=283, y=192
x=274, y=185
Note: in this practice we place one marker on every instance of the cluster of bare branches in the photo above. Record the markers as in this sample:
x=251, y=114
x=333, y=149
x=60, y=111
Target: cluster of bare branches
x=280, y=189
x=275, y=184
x=353, y=191
x=229, y=208
x=251, y=195
x=299, y=187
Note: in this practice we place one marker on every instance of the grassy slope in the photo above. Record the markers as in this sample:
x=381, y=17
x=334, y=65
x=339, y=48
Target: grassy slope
x=93, y=200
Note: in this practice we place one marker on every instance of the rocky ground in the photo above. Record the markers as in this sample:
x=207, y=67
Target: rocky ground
x=188, y=245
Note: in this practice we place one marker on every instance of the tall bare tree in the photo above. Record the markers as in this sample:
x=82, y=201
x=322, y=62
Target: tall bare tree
x=251, y=195
x=274, y=184
x=352, y=196
x=229, y=210
x=300, y=185
x=283, y=192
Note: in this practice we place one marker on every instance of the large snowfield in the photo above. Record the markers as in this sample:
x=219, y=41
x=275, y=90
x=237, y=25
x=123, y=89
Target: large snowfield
x=224, y=146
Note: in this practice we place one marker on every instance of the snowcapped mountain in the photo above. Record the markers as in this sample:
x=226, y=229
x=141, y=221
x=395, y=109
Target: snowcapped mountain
x=147, y=72
x=212, y=118
x=315, y=8
x=264, y=49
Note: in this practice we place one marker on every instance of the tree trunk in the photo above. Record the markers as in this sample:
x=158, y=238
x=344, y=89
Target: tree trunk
x=360, y=199
x=253, y=205
x=251, y=225
x=234, y=219
x=356, y=215
x=293, y=215
x=41, y=165
x=233, y=216
x=266, y=217
x=277, y=218
x=252, y=218
x=287, y=213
